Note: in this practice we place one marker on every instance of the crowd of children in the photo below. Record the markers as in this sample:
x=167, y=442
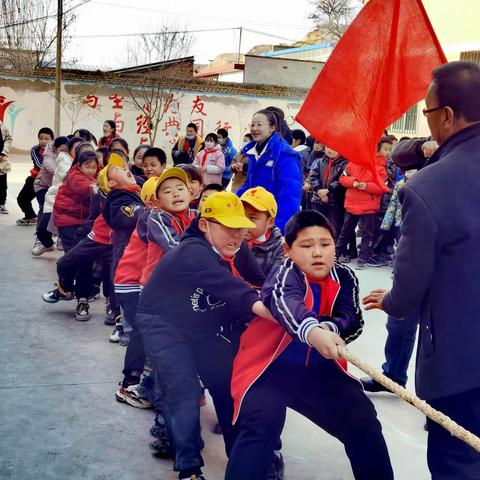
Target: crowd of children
x=206, y=293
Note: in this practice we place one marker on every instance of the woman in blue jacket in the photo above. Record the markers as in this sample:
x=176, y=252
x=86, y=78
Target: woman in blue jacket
x=273, y=165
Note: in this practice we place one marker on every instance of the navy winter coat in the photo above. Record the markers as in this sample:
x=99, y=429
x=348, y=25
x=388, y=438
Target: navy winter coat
x=278, y=169
x=437, y=266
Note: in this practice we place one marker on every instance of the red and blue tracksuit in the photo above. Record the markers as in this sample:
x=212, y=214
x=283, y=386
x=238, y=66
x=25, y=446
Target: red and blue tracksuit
x=275, y=368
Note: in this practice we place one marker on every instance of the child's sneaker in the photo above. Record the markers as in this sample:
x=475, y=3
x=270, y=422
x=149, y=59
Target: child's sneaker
x=116, y=334
x=39, y=249
x=111, y=317
x=124, y=339
x=361, y=264
x=132, y=396
x=3, y=210
x=26, y=222
x=344, y=259
x=82, y=313
x=59, y=245
x=54, y=296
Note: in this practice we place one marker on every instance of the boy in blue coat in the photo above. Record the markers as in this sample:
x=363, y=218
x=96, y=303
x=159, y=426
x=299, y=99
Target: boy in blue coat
x=292, y=363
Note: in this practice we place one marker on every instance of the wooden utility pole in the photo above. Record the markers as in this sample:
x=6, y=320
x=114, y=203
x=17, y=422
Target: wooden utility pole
x=58, y=67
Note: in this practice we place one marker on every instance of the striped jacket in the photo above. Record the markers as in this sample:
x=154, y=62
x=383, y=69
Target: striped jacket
x=164, y=230
x=288, y=295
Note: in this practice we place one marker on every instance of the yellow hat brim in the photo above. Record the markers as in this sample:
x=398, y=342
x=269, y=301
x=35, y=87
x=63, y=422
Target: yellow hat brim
x=255, y=204
x=232, y=221
x=173, y=172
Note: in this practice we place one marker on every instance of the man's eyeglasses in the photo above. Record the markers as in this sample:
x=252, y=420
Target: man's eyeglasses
x=426, y=111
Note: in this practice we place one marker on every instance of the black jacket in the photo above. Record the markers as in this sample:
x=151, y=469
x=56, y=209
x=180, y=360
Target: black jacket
x=269, y=254
x=436, y=266
x=336, y=191
x=194, y=290
x=121, y=211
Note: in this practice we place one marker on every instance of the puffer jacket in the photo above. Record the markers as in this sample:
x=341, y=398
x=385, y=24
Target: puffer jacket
x=72, y=203
x=277, y=169
x=64, y=162
x=214, y=163
x=362, y=202
x=269, y=254
x=45, y=175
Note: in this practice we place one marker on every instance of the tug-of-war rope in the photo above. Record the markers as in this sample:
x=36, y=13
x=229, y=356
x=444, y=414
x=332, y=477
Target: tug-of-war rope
x=446, y=422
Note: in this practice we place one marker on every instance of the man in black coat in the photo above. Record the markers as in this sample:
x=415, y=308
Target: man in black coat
x=437, y=267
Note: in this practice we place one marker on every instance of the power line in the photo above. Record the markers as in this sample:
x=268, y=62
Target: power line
x=169, y=32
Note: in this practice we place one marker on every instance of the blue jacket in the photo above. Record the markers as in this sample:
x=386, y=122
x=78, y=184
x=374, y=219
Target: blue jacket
x=436, y=266
x=229, y=152
x=278, y=170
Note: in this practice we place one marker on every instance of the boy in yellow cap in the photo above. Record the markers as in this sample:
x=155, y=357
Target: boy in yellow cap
x=265, y=239
x=182, y=311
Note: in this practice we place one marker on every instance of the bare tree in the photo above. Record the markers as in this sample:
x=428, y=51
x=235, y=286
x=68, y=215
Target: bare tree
x=334, y=16
x=28, y=32
x=155, y=80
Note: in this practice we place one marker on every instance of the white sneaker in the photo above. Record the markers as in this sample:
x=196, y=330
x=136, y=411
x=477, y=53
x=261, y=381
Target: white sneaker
x=116, y=334
x=59, y=245
x=39, y=249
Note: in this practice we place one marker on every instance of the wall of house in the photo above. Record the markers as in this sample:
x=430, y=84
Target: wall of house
x=26, y=105
x=281, y=71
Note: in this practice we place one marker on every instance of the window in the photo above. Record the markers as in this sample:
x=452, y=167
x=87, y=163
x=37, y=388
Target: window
x=473, y=56
x=408, y=123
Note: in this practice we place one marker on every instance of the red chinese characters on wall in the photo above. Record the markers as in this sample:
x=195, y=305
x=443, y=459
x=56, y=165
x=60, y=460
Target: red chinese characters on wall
x=171, y=129
x=117, y=118
x=117, y=101
x=91, y=101
x=225, y=125
x=198, y=107
x=200, y=124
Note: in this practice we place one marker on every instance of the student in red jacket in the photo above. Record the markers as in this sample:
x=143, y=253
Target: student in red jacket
x=362, y=202
x=72, y=203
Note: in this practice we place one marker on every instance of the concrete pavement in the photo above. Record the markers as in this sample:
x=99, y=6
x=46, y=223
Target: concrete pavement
x=58, y=416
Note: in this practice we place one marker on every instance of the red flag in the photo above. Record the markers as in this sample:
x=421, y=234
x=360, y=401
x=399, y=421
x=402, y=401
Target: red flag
x=381, y=66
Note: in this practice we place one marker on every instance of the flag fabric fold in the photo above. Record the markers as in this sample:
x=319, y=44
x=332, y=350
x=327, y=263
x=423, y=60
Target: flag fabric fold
x=381, y=66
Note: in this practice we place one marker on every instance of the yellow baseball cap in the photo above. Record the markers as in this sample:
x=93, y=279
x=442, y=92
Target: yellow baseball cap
x=260, y=199
x=172, y=172
x=149, y=189
x=227, y=209
x=115, y=160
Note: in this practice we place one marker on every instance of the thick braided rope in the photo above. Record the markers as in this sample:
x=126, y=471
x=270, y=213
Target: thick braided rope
x=446, y=422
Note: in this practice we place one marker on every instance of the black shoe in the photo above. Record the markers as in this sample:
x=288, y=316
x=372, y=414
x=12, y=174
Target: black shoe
x=277, y=467
x=82, y=313
x=111, y=316
x=370, y=385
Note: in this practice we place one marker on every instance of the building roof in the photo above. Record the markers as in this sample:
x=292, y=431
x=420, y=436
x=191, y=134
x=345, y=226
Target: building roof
x=305, y=48
x=217, y=70
x=153, y=66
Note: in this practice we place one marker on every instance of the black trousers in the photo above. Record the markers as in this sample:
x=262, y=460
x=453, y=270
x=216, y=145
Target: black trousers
x=448, y=457
x=68, y=236
x=324, y=394
x=367, y=226
x=336, y=216
x=135, y=354
x=25, y=197
x=43, y=234
x=3, y=189
x=74, y=269
x=178, y=361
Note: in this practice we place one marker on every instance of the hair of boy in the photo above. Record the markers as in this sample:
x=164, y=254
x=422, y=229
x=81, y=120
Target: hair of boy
x=404, y=138
x=193, y=173
x=213, y=186
x=46, y=131
x=86, y=157
x=73, y=141
x=383, y=140
x=457, y=85
x=192, y=125
x=248, y=135
x=118, y=152
x=112, y=124
x=309, y=141
x=305, y=219
x=298, y=134
x=223, y=132
x=393, y=137
x=59, y=141
x=157, y=153
x=121, y=141
x=212, y=136
x=84, y=134
x=141, y=147
x=103, y=151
